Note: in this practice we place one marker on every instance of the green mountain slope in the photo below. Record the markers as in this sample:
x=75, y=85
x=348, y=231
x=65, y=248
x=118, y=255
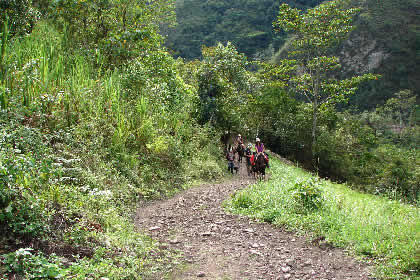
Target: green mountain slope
x=386, y=41
x=246, y=23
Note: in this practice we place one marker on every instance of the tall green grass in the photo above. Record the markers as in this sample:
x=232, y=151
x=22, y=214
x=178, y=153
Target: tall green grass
x=3, y=50
x=374, y=227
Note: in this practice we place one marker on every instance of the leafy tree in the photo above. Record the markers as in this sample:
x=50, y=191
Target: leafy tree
x=118, y=29
x=270, y=100
x=401, y=107
x=316, y=34
x=223, y=83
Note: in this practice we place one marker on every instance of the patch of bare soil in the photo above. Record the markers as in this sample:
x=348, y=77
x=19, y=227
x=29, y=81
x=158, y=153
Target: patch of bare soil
x=219, y=245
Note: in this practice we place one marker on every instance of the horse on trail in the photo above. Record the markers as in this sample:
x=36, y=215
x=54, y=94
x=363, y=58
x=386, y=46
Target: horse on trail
x=259, y=167
x=240, y=149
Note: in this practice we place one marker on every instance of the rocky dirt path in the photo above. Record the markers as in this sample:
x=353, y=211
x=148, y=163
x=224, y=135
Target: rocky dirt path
x=218, y=245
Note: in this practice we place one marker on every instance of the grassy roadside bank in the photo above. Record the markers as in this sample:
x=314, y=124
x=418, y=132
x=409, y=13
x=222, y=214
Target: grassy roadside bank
x=80, y=146
x=377, y=228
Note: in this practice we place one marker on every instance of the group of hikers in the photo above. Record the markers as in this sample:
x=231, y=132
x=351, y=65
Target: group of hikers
x=247, y=152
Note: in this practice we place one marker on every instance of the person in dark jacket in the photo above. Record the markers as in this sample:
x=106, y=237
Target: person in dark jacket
x=230, y=156
x=248, y=155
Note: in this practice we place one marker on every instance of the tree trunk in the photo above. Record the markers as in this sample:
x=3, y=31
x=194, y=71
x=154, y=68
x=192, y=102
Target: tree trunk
x=124, y=19
x=401, y=123
x=314, y=123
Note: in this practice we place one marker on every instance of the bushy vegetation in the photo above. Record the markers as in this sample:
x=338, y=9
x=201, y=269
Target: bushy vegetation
x=63, y=214
x=371, y=151
x=376, y=228
x=373, y=163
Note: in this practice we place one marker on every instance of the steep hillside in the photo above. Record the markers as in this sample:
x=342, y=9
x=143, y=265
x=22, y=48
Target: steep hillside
x=246, y=23
x=386, y=41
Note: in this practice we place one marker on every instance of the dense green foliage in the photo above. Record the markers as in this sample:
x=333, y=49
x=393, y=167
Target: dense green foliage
x=223, y=83
x=374, y=151
x=20, y=14
x=374, y=227
x=84, y=137
x=117, y=30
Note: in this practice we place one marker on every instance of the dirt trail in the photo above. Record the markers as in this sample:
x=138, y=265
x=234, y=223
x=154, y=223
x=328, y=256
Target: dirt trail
x=218, y=245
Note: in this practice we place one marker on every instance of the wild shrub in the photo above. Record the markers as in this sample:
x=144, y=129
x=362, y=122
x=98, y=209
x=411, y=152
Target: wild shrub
x=241, y=200
x=307, y=195
x=25, y=170
x=31, y=265
x=270, y=215
x=397, y=172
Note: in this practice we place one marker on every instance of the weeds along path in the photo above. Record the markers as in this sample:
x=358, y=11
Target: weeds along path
x=218, y=245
